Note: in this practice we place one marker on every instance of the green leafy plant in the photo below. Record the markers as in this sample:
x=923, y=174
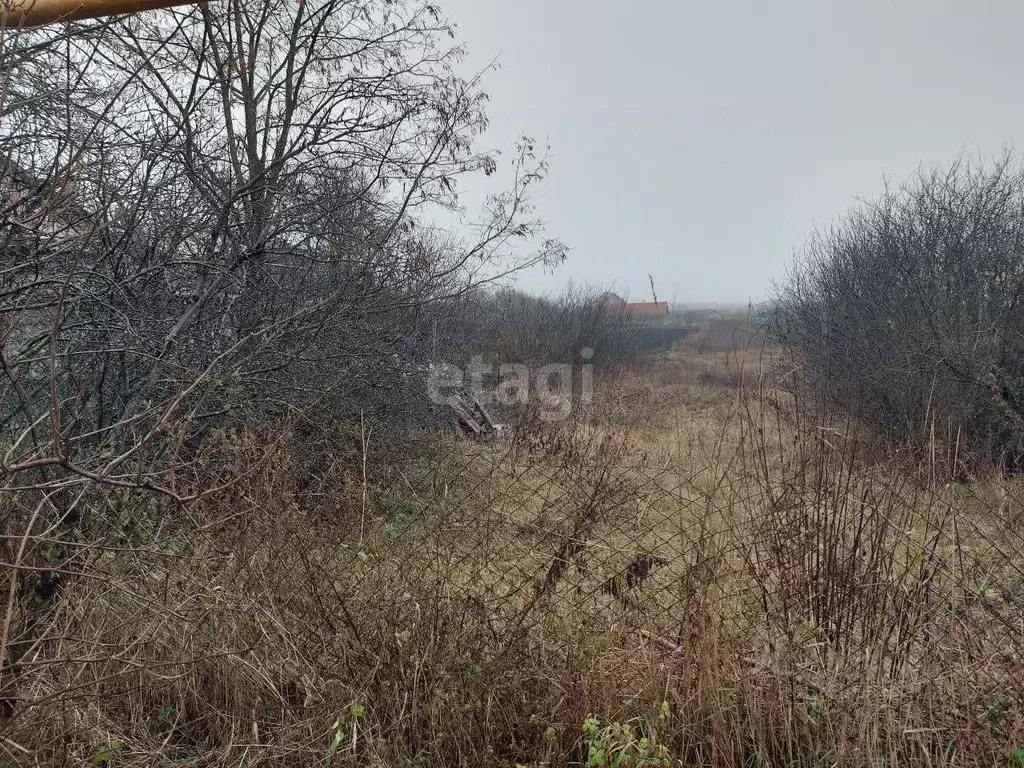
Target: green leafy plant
x=105, y=755
x=345, y=729
x=621, y=745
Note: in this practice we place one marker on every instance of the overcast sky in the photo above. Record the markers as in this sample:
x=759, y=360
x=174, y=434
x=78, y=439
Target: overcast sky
x=701, y=141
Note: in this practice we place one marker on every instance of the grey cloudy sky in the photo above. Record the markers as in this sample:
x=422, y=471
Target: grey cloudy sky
x=701, y=141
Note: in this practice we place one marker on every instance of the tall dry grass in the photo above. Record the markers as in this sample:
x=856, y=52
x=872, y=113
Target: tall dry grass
x=701, y=561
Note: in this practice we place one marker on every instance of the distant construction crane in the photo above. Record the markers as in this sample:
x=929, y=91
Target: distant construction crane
x=39, y=13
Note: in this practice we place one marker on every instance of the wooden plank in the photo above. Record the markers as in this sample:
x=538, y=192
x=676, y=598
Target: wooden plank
x=463, y=415
x=38, y=13
x=484, y=415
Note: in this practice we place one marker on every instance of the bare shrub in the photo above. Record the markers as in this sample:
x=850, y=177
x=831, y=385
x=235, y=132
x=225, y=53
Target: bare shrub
x=909, y=311
x=508, y=325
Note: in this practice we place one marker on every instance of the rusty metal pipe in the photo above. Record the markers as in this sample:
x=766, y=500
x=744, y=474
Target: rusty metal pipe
x=38, y=13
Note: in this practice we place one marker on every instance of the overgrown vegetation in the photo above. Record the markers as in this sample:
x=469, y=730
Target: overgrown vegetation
x=515, y=327
x=720, y=583
x=220, y=294
x=221, y=218
x=910, y=312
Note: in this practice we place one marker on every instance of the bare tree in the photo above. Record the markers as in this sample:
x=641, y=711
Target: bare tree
x=244, y=195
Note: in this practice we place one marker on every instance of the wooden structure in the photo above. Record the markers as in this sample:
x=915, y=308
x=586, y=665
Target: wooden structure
x=471, y=419
x=38, y=13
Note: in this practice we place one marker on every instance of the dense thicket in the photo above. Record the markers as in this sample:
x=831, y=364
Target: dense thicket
x=223, y=217
x=910, y=311
x=575, y=326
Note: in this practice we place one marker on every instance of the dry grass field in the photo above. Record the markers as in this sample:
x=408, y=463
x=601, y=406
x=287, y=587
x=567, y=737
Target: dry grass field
x=700, y=570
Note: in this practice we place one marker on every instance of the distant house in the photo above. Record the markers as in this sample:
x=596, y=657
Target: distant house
x=634, y=309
